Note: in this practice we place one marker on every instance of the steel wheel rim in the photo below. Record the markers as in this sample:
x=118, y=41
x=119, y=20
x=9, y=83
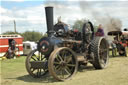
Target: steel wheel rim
x=63, y=66
x=103, y=53
x=33, y=71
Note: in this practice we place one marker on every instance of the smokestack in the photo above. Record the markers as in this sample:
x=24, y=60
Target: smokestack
x=49, y=20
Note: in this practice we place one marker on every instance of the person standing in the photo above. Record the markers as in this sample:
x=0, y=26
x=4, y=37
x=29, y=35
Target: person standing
x=13, y=43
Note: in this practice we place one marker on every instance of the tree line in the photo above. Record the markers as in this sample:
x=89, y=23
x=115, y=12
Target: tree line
x=35, y=36
x=28, y=35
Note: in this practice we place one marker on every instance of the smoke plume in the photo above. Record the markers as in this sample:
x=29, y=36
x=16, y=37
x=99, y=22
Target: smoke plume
x=101, y=16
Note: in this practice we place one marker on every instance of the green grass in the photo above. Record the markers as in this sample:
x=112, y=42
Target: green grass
x=14, y=73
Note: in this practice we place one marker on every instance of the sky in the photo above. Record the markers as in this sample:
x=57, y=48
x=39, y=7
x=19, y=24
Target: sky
x=30, y=14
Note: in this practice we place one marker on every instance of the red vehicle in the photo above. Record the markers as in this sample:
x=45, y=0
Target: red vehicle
x=8, y=49
x=125, y=36
x=121, y=42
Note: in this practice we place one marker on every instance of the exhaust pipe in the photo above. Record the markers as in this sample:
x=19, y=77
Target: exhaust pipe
x=49, y=20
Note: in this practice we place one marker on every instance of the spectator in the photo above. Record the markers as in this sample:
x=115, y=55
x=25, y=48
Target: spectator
x=9, y=53
x=100, y=31
x=13, y=43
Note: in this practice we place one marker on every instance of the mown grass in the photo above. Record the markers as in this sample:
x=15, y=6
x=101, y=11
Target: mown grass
x=14, y=73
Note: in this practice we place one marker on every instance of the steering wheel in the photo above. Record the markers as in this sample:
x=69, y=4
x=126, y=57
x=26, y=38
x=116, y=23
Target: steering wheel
x=88, y=32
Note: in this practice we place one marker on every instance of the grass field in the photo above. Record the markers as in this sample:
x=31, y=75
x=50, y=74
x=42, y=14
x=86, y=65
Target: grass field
x=14, y=73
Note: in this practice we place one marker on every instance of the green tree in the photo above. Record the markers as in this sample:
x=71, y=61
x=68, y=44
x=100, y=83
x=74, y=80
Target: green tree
x=95, y=28
x=79, y=24
x=10, y=32
x=32, y=36
x=28, y=35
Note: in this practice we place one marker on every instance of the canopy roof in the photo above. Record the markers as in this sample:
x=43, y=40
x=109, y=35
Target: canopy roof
x=111, y=33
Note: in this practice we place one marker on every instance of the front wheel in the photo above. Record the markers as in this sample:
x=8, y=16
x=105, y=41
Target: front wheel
x=36, y=64
x=99, y=47
x=124, y=52
x=62, y=63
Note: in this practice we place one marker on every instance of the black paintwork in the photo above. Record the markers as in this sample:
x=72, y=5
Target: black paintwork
x=60, y=36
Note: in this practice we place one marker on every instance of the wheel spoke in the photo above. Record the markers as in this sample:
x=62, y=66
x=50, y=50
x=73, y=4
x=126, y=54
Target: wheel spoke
x=33, y=58
x=60, y=57
x=65, y=57
x=67, y=68
x=39, y=56
x=103, y=54
x=63, y=53
x=62, y=73
x=42, y=58
x=57, y=67
x=57, y=63
x=68, y=60
x=103, y=50
x=36, y=57
x=71, y=65
x=32, y=69
x=57, y=70
x=69, y=55
x=45, y=70
x=40, y=71
x=67, y=71
x=63, y=63
x=37, y=72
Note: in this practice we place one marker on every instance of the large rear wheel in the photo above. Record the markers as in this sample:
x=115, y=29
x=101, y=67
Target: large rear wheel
x=124, y=52
x=62, y=63
x=88, y=32
x=99, y=47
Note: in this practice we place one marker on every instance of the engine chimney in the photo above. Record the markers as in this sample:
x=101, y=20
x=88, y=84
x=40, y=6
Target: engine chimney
x=49, y=20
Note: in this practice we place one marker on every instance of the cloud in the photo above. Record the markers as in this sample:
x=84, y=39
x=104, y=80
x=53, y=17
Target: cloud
x=28, y=18
x=34, y=17
x=3, y=10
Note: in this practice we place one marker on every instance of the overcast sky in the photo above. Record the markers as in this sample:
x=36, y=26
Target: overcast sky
x=30, y=14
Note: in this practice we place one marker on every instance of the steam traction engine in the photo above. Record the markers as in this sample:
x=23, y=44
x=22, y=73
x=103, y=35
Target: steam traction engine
x=120, y=40
x=63, y=50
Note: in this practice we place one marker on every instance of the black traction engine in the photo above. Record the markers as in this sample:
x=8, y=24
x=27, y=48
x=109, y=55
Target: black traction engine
x=64, y=50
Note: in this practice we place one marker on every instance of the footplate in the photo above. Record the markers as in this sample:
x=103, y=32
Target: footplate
x=37, y=64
